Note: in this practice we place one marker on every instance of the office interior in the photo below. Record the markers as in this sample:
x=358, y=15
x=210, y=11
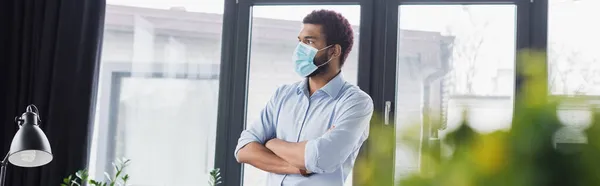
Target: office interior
x=465, y=92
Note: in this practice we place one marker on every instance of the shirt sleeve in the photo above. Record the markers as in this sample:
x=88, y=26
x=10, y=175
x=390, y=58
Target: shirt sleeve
x=326, y=153
x=262, y=129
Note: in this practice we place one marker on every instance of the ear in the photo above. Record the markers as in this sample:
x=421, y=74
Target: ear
x=337, y=51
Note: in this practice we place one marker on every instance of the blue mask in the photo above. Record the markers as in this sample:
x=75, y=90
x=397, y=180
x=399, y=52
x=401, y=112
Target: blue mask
x=304, y=57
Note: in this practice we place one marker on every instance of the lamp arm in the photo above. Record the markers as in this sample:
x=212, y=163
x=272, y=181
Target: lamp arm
x=3, y=165
x=4, y=161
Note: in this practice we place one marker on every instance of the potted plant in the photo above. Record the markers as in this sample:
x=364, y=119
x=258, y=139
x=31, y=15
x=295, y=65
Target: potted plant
x=118, y=179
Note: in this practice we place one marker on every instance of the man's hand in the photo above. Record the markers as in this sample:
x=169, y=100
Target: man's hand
x=289, y=151
x=260, y=157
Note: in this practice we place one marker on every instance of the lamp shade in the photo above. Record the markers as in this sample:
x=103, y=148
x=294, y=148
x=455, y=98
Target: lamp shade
x=30, y=146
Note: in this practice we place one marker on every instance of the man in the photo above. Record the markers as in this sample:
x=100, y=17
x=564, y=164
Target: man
x=310, y=132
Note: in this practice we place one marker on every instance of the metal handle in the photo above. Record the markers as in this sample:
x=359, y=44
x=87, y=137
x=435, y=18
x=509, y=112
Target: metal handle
x=388, y=108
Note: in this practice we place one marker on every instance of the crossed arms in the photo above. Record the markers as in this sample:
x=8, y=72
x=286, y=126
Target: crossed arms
x=259, y=147
x=261, y=157
x=276, y=156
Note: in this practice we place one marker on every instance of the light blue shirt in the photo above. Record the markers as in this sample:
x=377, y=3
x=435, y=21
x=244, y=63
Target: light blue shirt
x=294, y=116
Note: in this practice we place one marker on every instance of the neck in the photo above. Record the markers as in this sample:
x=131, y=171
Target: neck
x=319, y=81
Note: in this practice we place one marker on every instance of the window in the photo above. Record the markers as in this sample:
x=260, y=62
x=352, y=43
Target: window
x=158, y=92
x=573, y=57
x=574, y=64
x=159, y=76
x=452, y=58
x=274, y=37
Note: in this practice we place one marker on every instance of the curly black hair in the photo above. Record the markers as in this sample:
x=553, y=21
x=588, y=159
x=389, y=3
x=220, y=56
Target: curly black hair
x=335, y=27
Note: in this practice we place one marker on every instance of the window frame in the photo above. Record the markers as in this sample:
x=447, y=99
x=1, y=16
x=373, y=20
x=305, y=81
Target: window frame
x=234, y=71
x=526, y=19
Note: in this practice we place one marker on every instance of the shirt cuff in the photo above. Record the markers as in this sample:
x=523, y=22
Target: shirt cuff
x=240, y=145
x=311, y=156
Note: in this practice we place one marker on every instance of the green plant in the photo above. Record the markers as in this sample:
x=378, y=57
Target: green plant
x=525, y=155
x=118, y=179
x=215, y=177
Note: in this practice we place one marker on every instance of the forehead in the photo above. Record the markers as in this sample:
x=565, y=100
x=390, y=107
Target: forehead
x=310, y=30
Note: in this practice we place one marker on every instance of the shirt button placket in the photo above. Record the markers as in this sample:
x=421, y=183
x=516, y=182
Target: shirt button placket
x=302, y=122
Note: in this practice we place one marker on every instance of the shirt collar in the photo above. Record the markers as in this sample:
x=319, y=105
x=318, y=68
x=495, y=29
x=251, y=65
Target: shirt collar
x=332, y=88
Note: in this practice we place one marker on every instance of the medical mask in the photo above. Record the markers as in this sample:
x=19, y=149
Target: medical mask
x=304, y=57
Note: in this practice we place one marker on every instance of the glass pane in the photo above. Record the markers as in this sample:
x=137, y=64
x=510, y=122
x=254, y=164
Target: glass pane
x=573, y=57
x=158, y=90
x=452, y=58
x=175, y=135
x=274, y=37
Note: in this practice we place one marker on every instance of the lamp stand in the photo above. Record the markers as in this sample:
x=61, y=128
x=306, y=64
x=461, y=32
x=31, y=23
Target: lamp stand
x=3, y=165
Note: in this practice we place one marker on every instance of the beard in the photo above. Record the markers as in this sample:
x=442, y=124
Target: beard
x=322, y=69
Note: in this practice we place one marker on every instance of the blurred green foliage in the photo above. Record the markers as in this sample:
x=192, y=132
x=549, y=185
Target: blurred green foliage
x=525, y=155
x=118, y=179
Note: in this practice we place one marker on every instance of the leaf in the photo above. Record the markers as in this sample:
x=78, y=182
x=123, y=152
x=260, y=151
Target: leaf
x=67, y=180
x=96, y=183
x=74, y=182
x=83, y=175
x=107, y=177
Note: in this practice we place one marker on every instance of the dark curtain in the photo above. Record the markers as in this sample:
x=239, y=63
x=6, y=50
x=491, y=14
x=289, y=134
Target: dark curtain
x=49, y=53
